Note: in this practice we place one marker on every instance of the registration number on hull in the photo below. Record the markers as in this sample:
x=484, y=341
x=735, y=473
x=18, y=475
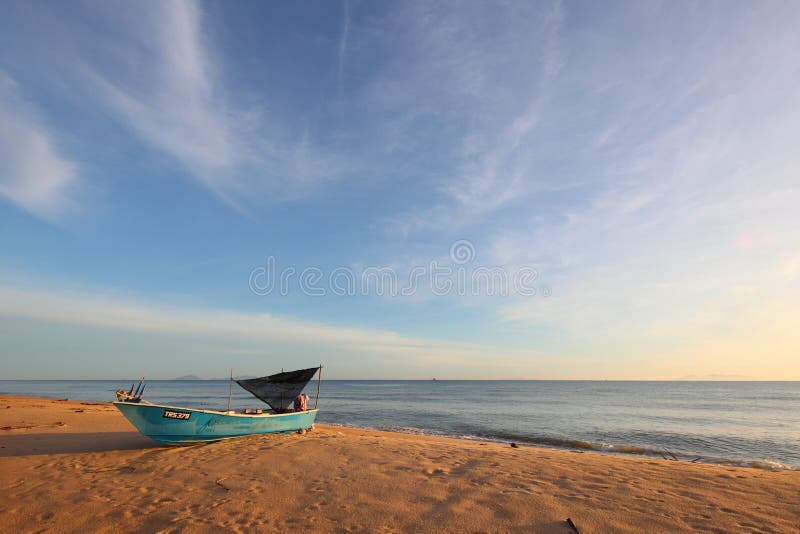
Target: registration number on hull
x=172, y=414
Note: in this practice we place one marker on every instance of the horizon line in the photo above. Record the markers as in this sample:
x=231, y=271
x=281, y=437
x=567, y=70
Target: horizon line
x=416, y=379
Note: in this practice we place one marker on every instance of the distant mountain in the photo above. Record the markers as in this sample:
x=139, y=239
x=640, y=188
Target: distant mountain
x=188, y=377
x=720, y=377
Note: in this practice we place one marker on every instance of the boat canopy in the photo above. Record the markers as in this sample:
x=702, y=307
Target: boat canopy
x=279, y=390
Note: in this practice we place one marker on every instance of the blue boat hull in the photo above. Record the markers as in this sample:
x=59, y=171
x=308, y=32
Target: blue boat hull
x=174, y=426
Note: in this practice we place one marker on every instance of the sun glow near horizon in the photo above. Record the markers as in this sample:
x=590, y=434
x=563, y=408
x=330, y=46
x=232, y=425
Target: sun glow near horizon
x=636, y=161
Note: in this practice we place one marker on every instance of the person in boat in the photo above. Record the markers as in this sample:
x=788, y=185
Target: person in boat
x=301, y=403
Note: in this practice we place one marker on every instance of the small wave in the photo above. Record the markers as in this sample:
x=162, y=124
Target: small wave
x=766, y=464
x=575, y=444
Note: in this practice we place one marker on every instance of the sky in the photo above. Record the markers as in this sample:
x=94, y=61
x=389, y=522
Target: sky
x=464, y=190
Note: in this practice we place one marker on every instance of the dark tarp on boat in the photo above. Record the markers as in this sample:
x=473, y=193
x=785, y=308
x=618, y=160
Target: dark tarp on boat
x=279, y=390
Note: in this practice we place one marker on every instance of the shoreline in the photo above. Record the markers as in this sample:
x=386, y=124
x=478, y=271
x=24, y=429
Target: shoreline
x=587, y=447
x=573, y=445
x=75, y=466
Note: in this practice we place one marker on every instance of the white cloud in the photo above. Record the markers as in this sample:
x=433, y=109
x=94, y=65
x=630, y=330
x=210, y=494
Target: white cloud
x=381, y=347
x=33, y=174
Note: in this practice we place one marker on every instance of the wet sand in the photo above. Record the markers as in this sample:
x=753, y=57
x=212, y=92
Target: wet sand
x=71, y=466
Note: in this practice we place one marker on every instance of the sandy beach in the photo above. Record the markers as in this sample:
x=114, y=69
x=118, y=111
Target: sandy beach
x=72, y=466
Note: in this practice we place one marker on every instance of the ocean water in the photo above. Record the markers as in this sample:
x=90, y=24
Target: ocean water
x=739, y=423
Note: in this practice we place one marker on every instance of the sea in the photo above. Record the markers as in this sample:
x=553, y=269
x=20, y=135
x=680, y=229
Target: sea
x=754, y=424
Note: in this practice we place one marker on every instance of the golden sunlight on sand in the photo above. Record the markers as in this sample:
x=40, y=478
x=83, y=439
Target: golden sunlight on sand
x=70, y=466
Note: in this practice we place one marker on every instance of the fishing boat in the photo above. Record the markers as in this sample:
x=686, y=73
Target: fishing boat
x=175, y=425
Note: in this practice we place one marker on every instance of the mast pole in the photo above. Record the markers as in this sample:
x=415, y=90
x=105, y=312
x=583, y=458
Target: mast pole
x=230, y=390
x=319, y=381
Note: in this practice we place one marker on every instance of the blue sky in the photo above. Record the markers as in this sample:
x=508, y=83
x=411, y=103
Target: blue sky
x=640, y=157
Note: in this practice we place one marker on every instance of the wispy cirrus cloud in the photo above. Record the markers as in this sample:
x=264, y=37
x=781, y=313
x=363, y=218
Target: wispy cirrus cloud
x=496, y=166
x=676, y=247
x=471, y=82
x=175, y=96
x=34, y=174
x=342, y=50
x=653, y=185
x=157, y=70
x=177, y=104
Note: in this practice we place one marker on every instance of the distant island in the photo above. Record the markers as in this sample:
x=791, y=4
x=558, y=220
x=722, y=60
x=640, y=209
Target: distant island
x=719, y=377
x=188, y=377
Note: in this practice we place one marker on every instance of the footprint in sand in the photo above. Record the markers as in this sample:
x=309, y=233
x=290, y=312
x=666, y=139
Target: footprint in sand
x=436, y=472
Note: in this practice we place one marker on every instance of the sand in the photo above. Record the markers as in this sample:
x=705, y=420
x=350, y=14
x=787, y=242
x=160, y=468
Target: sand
x=70, y=466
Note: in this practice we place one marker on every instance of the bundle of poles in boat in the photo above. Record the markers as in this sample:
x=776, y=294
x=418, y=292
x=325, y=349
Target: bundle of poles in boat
x=132, y=396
